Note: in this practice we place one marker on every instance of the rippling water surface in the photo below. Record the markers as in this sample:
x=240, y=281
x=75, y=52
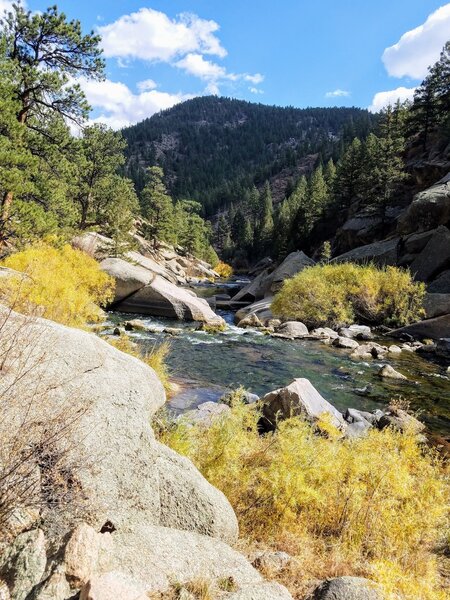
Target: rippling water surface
x=207, y=364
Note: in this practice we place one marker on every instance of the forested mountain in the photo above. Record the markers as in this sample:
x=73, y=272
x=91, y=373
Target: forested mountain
x=211, y=149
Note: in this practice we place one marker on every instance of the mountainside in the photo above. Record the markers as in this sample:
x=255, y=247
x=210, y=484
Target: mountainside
x=212, y=148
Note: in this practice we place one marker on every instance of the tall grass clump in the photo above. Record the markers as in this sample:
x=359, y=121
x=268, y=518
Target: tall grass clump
x=336, y=294
x=61, y=284
x=375, y=506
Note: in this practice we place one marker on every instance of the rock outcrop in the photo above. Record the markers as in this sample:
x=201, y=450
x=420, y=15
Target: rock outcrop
x=434, y=329
x=429, y=208
x=139, y=290
x=267, y=282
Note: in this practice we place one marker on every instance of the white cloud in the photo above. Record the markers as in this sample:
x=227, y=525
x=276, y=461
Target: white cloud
x=147, y=84
x=255, y=90
x=256, y=78
x=383, y=99
x=151, y=35
x=419, y=48
x=337, y=94
x=196, y=65
x=119, y=107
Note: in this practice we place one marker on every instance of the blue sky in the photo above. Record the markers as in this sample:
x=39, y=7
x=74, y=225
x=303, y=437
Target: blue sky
x=290, y=52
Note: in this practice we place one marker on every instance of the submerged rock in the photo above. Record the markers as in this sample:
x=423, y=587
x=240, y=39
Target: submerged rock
x=390, y=373
x=298, y=398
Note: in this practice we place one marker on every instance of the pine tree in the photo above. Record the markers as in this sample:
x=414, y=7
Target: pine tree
x=266, y=219
x=317, y=197
x=47, y=52
x=347, y=183
x=157, y=207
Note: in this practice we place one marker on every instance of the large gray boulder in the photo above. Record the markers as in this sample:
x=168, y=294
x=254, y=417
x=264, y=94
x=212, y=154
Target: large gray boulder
x=436, y=305
x=346, y=588
x=436, y=328
x=156, y=557
x=268, y=283
x=129, y=278
x=434, y=258
x=429, y=208
x=293, y=263
x=260, y=309
x=110, y=397
x=189, y=502
x=161, y=298
x=292, y=330
x=381, y=253
x=298, y=398
x=440, y=285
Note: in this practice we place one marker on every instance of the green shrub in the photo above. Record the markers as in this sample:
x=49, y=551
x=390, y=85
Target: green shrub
x=335, y=294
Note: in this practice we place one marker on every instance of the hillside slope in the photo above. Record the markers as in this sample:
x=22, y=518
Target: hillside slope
x=211, y=148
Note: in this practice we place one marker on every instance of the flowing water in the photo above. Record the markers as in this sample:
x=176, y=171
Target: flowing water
x=206, y=365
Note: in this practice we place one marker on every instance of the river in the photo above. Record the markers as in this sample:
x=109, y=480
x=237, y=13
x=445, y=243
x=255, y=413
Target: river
x=206, y=365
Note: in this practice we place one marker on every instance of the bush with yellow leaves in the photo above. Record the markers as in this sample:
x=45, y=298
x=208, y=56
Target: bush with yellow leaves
x=374, y=506
x=61, y=284
x=224, y=270
x=336, y=294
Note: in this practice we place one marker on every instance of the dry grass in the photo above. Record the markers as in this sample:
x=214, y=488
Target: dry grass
x=375, y=507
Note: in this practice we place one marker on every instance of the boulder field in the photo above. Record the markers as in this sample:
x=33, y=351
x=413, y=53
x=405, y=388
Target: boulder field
x=140, y=516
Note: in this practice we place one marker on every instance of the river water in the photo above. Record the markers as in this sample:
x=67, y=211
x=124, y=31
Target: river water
x=206, y=365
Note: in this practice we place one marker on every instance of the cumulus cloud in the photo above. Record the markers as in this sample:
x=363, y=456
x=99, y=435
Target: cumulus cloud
x=255, y=90
x=383, y=99
x=337, y=94
x=118, y=106
x=196, y=65
x=151, y=35
x=419, y=48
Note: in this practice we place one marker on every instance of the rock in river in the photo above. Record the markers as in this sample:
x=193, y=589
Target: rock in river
x=298, y=398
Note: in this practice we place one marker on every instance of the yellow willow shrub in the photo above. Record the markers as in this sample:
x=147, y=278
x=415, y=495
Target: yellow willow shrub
x=333, y=294
x=224, y=270
x=61, y=284
x=378, y=500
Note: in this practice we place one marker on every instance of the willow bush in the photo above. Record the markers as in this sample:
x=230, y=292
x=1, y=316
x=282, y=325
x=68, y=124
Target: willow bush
x=61, y=284
x=375, y=506
x=337, y=294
